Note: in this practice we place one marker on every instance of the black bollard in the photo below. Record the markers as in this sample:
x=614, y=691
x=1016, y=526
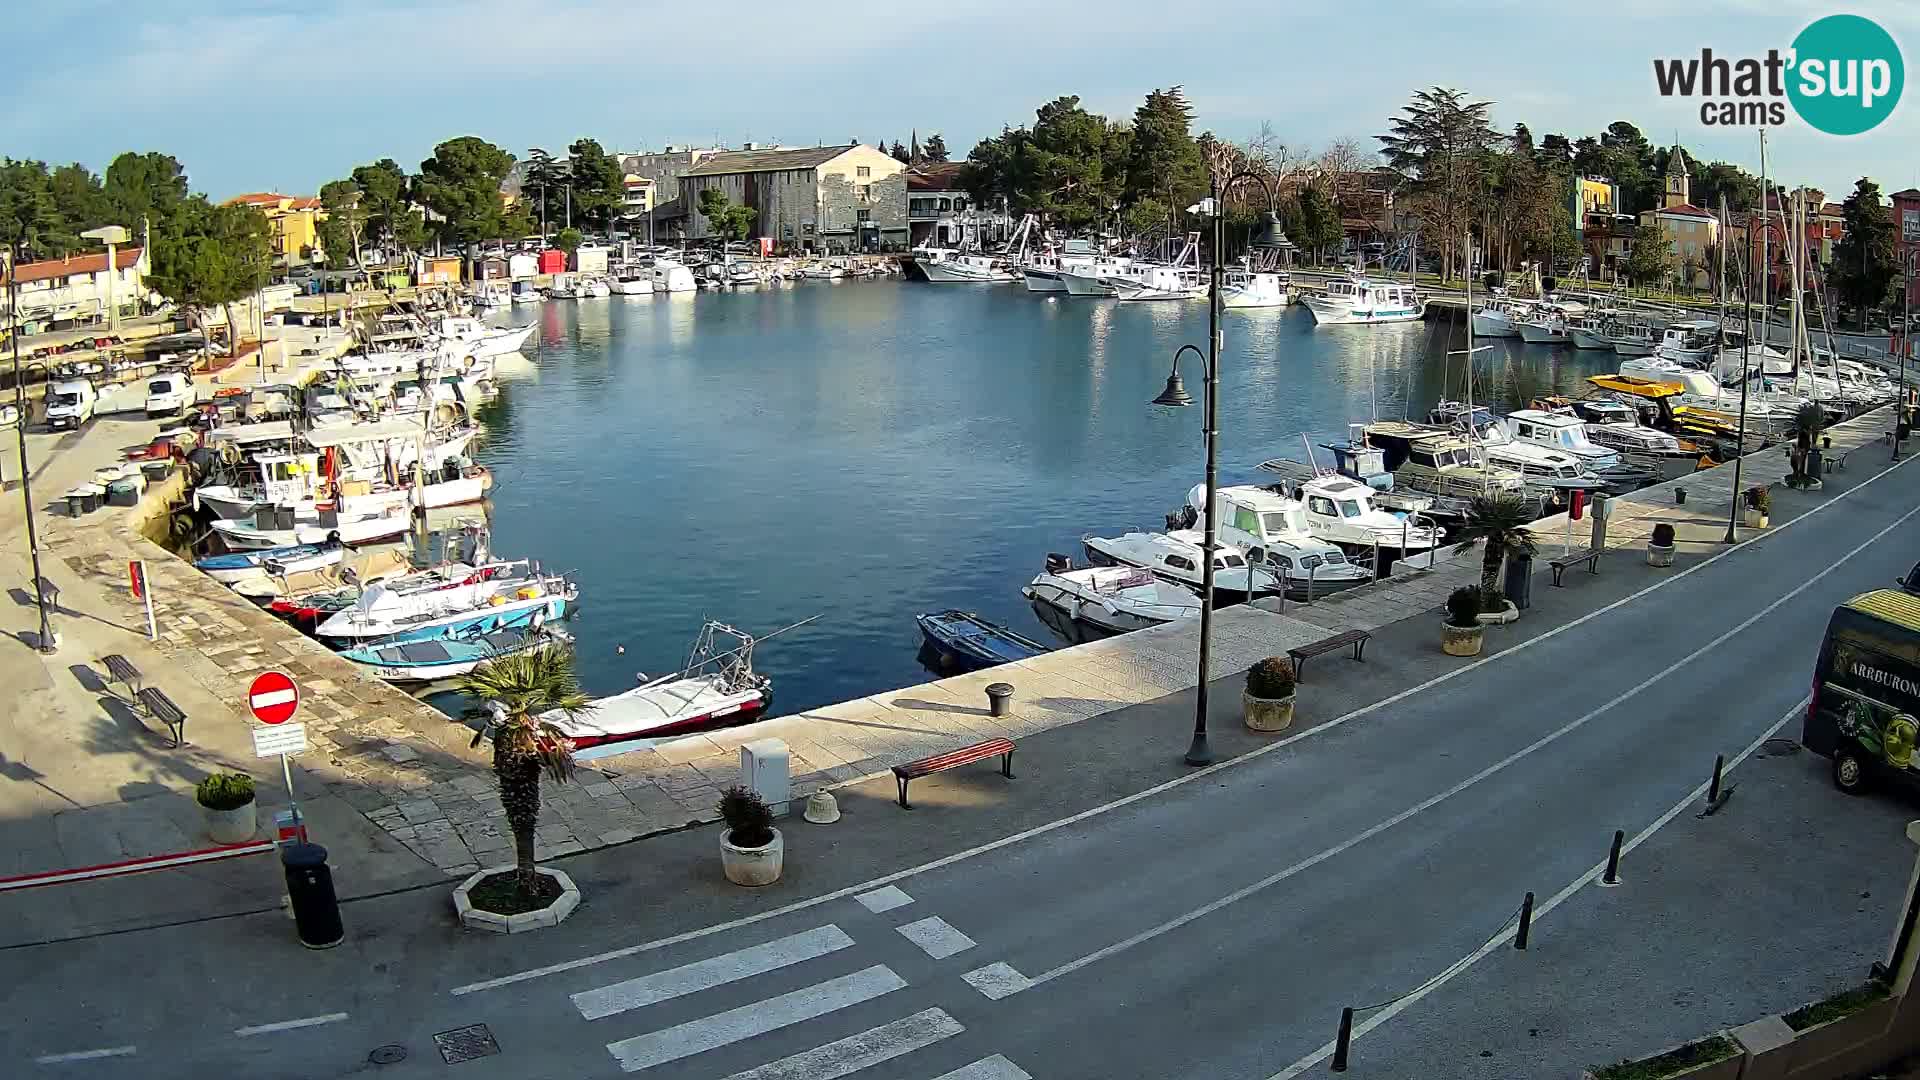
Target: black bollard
x=1343, y=1040
x=1613, y=860
x=1526, y=922
x=1713, y=790
x=316, y=912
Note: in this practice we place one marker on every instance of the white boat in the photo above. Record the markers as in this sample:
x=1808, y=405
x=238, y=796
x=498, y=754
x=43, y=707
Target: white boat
x=1544, y=469
x=272, y=527
x=742, y=275
x=482, y=340
x=528, y=296
x=1097, y=279
x=971, y=267
x=1341, y=511
x=1042, y=271
x=1499, y=317
x=595, y=287
x=413, y=662
x=1766, y=410
x=1272, y=529
x=1176, y=556
x=633, y=285
x=1255, y=289
x=1563, y=434
x=472, y=607
x=1360, y=300
x=1550, y=324
x=1691, y=341
x=717, y=688
x=1436, y=462
x=1162, y=283
x=669, y=276
x=1100, y=601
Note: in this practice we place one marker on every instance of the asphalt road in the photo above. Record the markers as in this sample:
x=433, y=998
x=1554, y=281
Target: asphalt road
x=1212, y=929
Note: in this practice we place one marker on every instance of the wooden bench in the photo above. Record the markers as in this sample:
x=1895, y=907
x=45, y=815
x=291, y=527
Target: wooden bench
x=161, y=708
x=121, y=670
x=1356, y=638
x=1836, y=461
x=1591, y=557
x=953, y=759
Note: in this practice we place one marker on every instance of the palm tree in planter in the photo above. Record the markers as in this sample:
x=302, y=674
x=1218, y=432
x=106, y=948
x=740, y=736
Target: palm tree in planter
x=1808, y=421
x=1500, y=520
x=517, y=691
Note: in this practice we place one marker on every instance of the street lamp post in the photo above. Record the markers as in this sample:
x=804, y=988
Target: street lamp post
x=1175, y=395
x=45, y=639
x=1906, y=346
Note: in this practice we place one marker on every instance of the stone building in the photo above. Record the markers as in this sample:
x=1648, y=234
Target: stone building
x=826, y=198
x=940, y=213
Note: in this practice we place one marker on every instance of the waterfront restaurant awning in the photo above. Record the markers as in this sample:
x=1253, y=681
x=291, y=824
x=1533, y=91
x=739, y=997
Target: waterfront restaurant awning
x=379, y=431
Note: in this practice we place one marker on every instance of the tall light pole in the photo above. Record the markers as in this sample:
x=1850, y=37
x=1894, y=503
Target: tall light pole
x=45, y=639
x=1907, y=259
x=1175, y=395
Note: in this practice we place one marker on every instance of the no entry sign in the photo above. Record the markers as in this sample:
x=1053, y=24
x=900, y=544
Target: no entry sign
x=273, y=697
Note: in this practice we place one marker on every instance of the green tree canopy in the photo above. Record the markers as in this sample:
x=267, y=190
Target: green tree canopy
x=344, y=227
x=568, y=240
x=934, y=149
x=727, y=220
x=461, y=184
x=1064, y=169
x=599, y=188
x=1651, y=260
x=385, y=196
x=1164, y=161
x=210, y=256
x=1441, y=141
x=1864, y=264
x=149, y=186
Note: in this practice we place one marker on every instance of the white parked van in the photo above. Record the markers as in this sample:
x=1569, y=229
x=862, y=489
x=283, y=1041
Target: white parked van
x=70, y=403
x=168, y=393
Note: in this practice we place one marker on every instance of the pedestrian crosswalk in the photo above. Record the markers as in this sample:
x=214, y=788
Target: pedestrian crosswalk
x=826, y=986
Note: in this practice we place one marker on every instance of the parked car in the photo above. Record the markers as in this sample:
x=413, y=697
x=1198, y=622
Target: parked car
x=70, y=403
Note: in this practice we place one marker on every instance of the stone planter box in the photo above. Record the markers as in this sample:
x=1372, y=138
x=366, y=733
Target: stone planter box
x=552, y=915
x=1824, y=1042
x=752, y=866
x=1461, y=640
x=1659, y=554
x=1499, y=618
x=235, y=826
x=1266, y=714
x=1725, y=1069
x=1753, y=519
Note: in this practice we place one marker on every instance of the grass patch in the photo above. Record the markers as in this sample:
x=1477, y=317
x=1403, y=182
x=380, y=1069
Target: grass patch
x=1705, y=1052
x=1844, y=1003
x=501, y=893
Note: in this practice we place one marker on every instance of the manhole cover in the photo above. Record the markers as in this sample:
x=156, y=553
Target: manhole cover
x=390, y=1054
x=466, y=1043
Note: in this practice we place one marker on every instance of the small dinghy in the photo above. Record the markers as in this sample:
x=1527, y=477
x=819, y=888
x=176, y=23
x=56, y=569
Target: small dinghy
x=965, y=640
x=1093, y=602
x=450, y=658
x=247, y=565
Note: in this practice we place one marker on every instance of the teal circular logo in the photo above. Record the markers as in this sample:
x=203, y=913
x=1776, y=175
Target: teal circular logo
x=1846, y=76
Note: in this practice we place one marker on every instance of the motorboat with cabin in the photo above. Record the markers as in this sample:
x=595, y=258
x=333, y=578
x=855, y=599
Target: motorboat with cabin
x=1042, y=271
x=1178, y=556
x=1437, y=462
x=1616, y=425
x=1499, y=316
x=1248, y=287
x=1361, y=300
x=1546, y=471
x=1345, y=511
x=1096, y=278
x=1088, y=603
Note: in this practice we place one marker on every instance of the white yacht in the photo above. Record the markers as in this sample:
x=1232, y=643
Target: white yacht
x=1100, y=601
x=633, y=284
x=1177, y=557
x=1692, y=341
x=1249, y=288
x=669, y=276
x=1360, y=300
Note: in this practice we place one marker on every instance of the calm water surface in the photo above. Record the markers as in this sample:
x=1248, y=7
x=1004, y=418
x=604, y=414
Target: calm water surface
x=866, y=451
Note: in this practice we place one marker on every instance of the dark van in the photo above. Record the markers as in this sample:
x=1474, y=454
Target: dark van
x=1866, y=692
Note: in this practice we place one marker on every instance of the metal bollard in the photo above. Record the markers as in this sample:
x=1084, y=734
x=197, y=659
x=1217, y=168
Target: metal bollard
x=316, y=911
x=1612, y=876
x=1713, y=790
x=1526, y=923
x=999, y=698
x=1343, y=1041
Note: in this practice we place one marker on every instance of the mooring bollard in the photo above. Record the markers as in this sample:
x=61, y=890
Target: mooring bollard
x=999, y=698
x=1679, y=495
x=1613, y=859
x=1526, y=922
x=1713, y=789
x=1343, y=1040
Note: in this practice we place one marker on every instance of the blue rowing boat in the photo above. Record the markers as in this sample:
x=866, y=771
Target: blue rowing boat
x=450, y=657
x=968, y=641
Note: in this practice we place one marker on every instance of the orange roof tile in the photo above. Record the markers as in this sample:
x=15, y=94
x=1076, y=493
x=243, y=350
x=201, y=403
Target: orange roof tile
x=53, y=269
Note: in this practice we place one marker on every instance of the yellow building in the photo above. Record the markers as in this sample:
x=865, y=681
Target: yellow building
x=294, y=220
x=1694, y=233
x=1595, y=195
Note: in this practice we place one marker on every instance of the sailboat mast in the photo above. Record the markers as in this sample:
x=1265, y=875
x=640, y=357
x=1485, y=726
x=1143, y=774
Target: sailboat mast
x=1766, y=228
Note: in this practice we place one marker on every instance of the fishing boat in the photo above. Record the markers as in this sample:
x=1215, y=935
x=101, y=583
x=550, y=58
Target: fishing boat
x=244, y=565
x=1432, y=460
x=1100, y=601
x=1246, y=288
x=280, y=527
x=1096, y=279
x=1499, y=317
x=1550, y=324
x=1179, y=557
x=1545, y=469
x=717, y=688
x=967, y=641
x=1042, y=270
x=278, y=581
x=450, y=657
x=482, y=340
x=1358, y=300
x=969, y=268
x=1343, y=511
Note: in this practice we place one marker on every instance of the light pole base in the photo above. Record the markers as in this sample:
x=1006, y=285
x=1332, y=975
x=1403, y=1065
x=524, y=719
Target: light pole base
x=1199, y=753
x=49, y=643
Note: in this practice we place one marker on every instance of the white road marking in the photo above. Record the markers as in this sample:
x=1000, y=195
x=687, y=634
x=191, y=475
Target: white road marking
x=936, y=937
x=84, y=1055
x=844, y=1057
x=709, y=973
x=289, y=1025
x=721, y=1029
x=993, y=1068
x=886, y=899
x=1185, y=778
x=1590, y=877
x=996, y=981
x=1430, y=802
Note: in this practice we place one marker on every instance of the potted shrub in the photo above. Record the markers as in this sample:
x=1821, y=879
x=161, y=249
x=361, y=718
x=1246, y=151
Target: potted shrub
x=1759, y=501
x=751, y=851
x=518, y=690
x=1461, y=633
x=1267, y=702
x=228, y=800
x=1501, y=522
x=1660, y=547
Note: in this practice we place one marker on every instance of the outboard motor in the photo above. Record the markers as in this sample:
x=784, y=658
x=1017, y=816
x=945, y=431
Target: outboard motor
x=1058, y=563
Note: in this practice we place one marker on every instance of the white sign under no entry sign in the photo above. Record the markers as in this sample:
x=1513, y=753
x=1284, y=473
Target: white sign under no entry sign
x=280, y=739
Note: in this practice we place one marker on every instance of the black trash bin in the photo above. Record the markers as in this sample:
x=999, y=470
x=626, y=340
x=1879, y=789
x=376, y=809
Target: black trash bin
x=1518, y=583
x=316, y=912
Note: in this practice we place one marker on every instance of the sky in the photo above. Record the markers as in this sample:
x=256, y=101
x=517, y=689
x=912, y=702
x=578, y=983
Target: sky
x=284, y=95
